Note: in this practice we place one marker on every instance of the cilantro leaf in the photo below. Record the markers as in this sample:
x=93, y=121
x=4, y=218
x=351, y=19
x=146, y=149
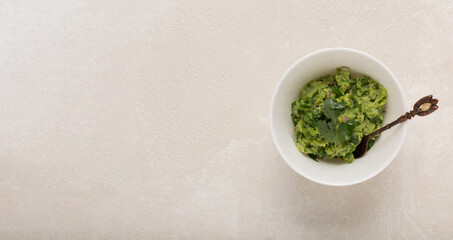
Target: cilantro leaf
x=332, y=109
x=336, y=91
x=326, y=130
x=345, y=131
x=312, y=156
x=371, y=143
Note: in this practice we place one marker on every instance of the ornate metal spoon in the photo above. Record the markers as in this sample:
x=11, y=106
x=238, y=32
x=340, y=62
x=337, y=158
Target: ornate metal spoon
x=422, y=107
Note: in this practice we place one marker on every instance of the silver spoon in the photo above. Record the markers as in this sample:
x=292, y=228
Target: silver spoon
x=422, y=107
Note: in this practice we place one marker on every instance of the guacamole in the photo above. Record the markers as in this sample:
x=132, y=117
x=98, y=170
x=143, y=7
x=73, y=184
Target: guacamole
x=333, y=113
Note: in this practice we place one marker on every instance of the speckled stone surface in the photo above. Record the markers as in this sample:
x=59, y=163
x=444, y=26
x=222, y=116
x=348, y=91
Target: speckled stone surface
x=149, y=120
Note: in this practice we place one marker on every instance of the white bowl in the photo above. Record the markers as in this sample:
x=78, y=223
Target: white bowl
x=335, y=172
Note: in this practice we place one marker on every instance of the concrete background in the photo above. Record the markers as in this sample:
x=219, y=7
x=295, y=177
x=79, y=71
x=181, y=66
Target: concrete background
x=149, y=120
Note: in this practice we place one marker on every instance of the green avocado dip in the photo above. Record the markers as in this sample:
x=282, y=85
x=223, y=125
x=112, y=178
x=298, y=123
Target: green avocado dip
x=333, y=113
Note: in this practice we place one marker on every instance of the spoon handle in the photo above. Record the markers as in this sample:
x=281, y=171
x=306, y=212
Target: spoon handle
x=422, y=107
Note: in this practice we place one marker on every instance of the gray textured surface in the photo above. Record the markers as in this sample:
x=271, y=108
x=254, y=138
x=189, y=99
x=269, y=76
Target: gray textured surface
x=149, y=120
